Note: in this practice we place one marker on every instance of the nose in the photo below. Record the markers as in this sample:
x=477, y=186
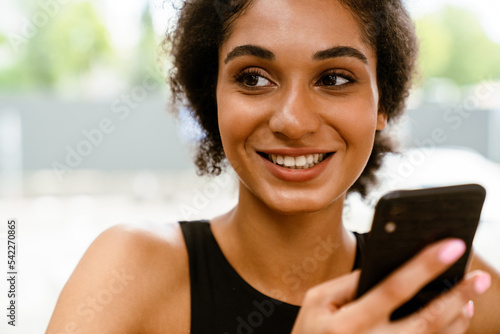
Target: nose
x=295, y=115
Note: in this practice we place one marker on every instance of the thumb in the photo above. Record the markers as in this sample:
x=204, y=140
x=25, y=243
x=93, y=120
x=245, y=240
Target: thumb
x=337, y=292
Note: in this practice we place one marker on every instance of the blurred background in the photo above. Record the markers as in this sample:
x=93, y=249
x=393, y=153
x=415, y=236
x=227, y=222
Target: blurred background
x=87, y=140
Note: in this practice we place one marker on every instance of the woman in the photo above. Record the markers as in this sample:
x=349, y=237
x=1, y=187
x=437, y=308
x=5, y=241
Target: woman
x=296, y=95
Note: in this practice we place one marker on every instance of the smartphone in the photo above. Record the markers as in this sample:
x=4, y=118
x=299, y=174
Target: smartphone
x=406, y=221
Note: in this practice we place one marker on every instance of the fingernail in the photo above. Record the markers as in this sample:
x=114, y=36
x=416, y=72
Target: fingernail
x=482, y=282
x=452, y=251
x=470, y=308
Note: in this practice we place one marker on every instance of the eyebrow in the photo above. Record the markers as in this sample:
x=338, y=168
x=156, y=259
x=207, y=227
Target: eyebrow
x=340, y=51
x=260, y=52
x=249, y=50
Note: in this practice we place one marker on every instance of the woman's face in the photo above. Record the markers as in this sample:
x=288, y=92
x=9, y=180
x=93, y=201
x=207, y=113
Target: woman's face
x=297, y=102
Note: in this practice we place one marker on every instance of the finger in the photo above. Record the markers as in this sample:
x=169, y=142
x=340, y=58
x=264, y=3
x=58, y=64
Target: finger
x=420, y=326
x=410, y=278
x=460, y=324
x=334, y=293
x=449, y=307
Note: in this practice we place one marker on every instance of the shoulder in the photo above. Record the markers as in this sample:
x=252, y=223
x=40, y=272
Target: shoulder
x=128, y=274
x=140, y=245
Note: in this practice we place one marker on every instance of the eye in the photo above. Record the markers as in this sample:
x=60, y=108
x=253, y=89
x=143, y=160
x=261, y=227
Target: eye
x=335, y=80
x=252, y=78
x=255, y=81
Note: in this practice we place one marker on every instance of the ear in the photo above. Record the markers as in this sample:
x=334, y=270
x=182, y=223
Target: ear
x=381, y=120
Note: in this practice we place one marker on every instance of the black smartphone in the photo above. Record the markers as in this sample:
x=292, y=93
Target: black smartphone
x=406, y=221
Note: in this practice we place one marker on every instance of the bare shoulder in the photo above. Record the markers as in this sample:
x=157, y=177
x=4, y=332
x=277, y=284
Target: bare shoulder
x=127, y=282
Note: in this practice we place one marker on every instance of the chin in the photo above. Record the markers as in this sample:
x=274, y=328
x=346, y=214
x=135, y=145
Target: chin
x=301, y=204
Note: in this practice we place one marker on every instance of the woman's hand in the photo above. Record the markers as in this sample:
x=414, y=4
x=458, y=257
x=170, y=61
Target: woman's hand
x=329, y=307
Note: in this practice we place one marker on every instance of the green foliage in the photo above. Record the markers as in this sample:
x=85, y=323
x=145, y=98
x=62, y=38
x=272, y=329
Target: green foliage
x=146, y=51
x=66, y=47
x=69, y=46
x=455, y=46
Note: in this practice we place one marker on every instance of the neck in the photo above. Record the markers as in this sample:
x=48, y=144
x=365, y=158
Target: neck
x=284, y=254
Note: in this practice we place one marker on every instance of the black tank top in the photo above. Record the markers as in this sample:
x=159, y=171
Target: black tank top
x=221, y=301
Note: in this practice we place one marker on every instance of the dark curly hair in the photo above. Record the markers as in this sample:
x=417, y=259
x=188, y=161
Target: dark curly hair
x=204, y=25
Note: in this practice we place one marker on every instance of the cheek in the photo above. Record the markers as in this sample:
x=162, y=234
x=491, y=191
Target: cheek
x=238, y=117
x=357, y=122
x=235, y=125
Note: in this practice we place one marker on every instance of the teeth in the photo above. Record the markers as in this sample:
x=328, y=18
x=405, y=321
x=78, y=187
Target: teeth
x=300, y=162
x=289, y=161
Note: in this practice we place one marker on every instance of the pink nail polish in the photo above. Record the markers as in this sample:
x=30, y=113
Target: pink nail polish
x=482, y=283
x=452, y=251
x=470, y=308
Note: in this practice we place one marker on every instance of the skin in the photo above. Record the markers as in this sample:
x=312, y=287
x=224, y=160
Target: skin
x=277, y=224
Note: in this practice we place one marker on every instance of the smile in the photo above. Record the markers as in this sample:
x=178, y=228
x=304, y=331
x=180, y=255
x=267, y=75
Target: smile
x=298, y=162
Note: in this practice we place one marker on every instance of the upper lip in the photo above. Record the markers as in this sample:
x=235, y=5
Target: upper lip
x=295, y=152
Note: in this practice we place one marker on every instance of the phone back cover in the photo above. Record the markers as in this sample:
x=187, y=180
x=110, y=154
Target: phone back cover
x=420, y=217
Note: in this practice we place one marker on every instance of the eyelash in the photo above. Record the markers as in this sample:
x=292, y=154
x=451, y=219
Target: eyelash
x=239, y=78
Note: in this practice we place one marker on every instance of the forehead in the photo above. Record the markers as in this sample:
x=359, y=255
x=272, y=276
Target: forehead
x=297, y=26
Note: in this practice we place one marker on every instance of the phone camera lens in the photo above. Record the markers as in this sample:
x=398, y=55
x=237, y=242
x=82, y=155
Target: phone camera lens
x=390, y=227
